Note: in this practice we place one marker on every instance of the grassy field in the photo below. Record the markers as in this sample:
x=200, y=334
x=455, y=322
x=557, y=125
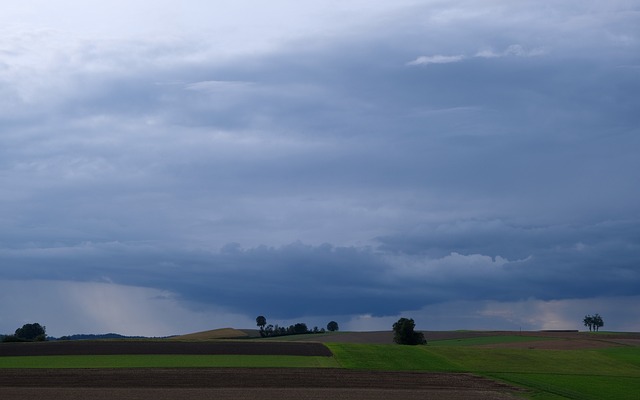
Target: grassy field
x=612, y=373
x=390, y=357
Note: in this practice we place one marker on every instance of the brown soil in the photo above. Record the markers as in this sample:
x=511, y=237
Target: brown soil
x=244, y=383
x=570, y=340
x=560, y=344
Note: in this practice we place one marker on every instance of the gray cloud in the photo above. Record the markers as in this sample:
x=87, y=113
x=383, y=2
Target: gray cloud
x=499, y=165
x=298, y=279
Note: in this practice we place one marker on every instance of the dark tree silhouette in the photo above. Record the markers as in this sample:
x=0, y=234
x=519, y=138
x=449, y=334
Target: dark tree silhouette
x=333, y=326
x=33, y=331
x=261, y=321
x=403, y=332
x=300, y=328
x=594, y=322
x=597, y=322
x=588, y=321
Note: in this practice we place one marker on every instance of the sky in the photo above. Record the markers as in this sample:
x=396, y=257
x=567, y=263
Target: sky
x=176, y=166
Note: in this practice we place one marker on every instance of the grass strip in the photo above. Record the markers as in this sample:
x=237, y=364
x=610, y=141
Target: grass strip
x=167, y=361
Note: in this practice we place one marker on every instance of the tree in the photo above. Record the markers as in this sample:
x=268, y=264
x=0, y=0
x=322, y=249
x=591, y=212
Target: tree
x=333, y=326
x=404, y=333
x=300, y=328
x=594, y=322
x=597, y=322
x=261, y=321
x=33, y=331
x=588, y=321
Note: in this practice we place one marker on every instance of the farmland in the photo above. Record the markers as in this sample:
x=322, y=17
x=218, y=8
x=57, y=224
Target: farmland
x=455, y=365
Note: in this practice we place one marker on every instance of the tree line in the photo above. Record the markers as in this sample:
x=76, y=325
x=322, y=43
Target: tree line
x=268, y=330
x=403, y=330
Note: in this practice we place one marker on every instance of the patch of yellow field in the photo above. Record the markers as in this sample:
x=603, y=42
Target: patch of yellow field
x=223, y=333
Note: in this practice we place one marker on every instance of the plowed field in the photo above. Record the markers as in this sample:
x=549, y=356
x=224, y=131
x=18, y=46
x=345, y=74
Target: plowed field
x=243, y=383
x=226, y=383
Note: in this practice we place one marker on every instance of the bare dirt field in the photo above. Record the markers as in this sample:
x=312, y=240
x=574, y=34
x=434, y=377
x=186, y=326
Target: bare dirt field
x=244, y=383
x=571, y=340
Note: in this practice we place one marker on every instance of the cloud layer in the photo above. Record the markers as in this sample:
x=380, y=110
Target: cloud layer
x=358, y=163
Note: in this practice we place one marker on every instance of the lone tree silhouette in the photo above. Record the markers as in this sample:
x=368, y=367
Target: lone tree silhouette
x=332, y=326
x=403, y=332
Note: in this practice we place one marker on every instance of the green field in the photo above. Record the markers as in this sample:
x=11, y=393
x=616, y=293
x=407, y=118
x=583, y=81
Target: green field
x=388, y=357
x=166, y=361
x=612, y=373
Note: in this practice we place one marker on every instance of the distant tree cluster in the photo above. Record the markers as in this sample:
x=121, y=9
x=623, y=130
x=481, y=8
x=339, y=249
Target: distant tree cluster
x=83, y=336
x=268, y=330
x=594, y=322
x=404, y=333
x=28, y=333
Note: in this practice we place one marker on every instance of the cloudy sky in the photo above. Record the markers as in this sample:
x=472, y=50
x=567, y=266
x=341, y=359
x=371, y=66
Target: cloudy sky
x=174, y=166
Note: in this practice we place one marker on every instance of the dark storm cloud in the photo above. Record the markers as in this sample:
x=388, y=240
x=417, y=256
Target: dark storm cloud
x=444, y=153
x=297, y=279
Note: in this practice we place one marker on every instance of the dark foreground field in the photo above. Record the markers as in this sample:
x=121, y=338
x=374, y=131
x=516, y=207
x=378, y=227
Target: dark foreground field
x=243, y=383
x=226, y=383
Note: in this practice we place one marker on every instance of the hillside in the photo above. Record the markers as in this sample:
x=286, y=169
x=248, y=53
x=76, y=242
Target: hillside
x=223, y=333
